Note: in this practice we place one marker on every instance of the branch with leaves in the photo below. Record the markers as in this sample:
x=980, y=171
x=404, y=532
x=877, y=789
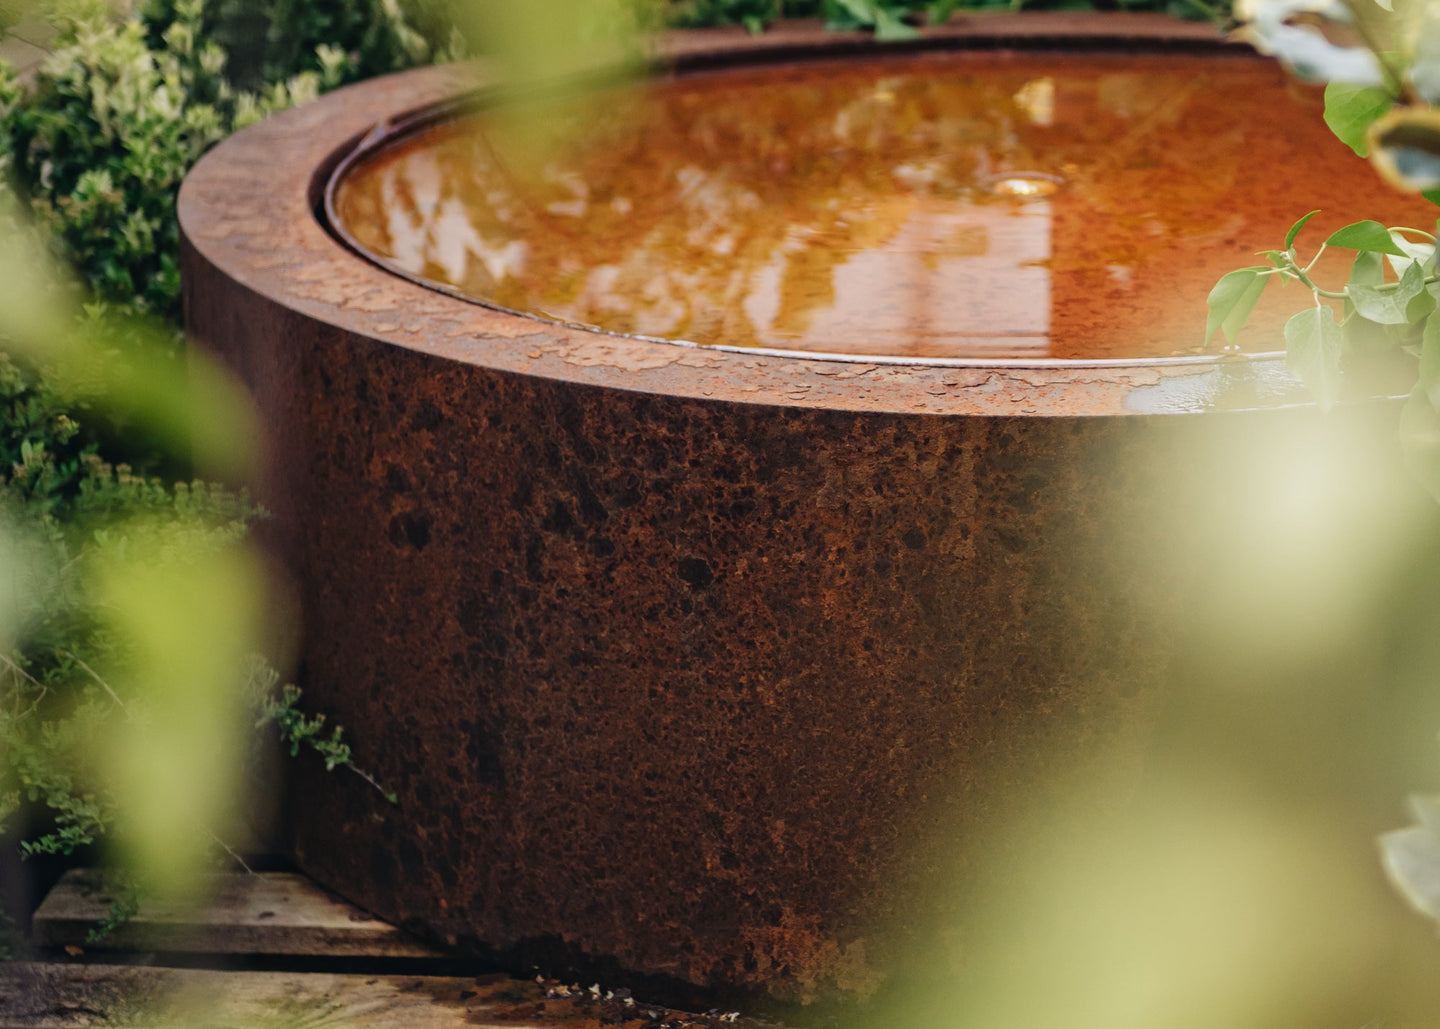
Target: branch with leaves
x=1371, y=310
x=1380, y=60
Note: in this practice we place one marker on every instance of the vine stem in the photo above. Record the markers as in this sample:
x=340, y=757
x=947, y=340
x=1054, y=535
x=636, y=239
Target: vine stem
x=1303, y=273
x=103, y=684
x=234, y=855
x=369, y=778
x=1313, y=261
x=1319, y=291
x=44, y=690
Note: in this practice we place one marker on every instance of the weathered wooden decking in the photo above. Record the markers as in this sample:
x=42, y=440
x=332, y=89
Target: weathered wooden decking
x=131, y=980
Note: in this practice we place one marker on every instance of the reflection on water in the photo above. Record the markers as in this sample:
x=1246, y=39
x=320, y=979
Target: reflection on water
x=959, y=205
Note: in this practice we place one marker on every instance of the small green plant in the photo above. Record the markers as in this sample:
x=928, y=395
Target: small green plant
x=124, y=907
x=280, y=708
x=1373, y=314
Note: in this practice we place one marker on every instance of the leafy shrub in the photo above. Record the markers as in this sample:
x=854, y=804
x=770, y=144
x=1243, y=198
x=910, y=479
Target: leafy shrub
x=102, y=137
x=268, y=41
x=101, y=140
x=895, y=19
x=54, y=705
x=95, y=147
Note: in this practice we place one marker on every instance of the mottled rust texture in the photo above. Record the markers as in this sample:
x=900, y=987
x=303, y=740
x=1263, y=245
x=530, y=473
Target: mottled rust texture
x=680, y=680
x=704, y=662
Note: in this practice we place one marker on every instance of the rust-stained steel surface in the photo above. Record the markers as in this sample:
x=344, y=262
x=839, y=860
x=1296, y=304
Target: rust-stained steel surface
x=698, y=661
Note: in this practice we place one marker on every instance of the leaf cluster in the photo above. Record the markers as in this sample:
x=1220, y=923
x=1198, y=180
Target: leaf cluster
x=1381, y=62
x=271, y=41
x=279, y=706
x=1374, y=312
x=100, y=139
x=53, y=705
x=897, y=19
x=93, y=149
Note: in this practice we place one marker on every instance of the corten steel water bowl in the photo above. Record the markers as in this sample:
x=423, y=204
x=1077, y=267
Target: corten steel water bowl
x=703, y=660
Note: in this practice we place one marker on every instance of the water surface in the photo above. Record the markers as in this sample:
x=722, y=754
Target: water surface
x=963, y=205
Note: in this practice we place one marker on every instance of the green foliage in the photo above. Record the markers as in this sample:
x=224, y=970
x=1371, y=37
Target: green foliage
x=897, y=19
x=1373, y=313
x=53, y=704
x=41, y=444
x=102, y=137
x=94, y=148
x=124, y=907
x=1383, y=77
x=99, y=146
x=297, y=729
x=1350, y=110
x=269, y=41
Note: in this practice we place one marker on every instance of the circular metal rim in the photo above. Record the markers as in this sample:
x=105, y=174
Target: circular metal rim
x=253, y=240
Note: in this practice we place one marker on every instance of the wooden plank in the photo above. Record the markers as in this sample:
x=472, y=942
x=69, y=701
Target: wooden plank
x=260, y=913
x=82, y=996
x=58, y=996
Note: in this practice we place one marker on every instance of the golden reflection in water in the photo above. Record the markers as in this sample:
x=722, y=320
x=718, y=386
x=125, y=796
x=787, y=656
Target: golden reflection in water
x=959, y=205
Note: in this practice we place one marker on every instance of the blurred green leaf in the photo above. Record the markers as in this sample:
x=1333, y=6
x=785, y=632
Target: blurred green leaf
x=1425, y=67
x=1430, y=362
x=1313, y=346
x=1286, y=29
x=890, y=28
x=1389, y=305
x=1420, y=307
x=1368, y=269
x=938, y=12
x=1350, y=110
x=1420, y=439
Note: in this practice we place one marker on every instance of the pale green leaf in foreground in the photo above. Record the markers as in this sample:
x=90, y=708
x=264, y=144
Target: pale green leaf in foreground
x=1274, y=27
x=1232, y=299
x=1420, y=439
x=1424, y=72
x=1430, y=362
x=1312, y=353
x=1366, y=235
x=1424, y=253
x=1389, y=305
x=1350, y=110
x=1426, y=809
x=1368, y=269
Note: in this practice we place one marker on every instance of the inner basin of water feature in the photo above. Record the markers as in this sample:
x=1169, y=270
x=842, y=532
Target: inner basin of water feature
x=970, y=206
